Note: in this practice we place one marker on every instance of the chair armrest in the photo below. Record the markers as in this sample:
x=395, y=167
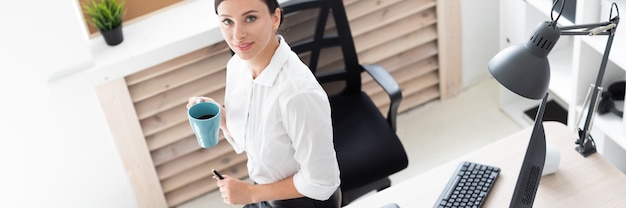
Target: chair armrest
x=391, y=87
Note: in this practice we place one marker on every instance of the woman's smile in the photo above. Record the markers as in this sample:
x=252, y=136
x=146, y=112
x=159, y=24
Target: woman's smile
x=243, y=47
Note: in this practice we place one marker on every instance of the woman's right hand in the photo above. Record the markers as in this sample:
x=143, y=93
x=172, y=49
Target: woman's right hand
x=192, y=101
x=235, y=191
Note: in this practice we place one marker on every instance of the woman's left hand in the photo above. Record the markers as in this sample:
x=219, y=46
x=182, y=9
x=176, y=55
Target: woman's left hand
x=235, y=191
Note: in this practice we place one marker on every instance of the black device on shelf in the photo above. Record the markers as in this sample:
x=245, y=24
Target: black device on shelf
x=614, y=93
x=554, y=112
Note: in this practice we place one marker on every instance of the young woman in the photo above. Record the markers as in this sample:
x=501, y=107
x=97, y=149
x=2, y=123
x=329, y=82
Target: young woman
x=276, y=112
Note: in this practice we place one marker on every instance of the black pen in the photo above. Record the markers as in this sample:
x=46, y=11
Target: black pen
x=216, y=174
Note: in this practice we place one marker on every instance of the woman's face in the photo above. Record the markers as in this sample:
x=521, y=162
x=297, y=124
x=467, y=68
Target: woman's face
x=248, y=27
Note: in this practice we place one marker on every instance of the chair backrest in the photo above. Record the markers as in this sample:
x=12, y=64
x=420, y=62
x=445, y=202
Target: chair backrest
x=326, y=36
x=368, y=149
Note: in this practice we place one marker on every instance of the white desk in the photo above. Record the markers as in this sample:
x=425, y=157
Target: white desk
x=579, y=181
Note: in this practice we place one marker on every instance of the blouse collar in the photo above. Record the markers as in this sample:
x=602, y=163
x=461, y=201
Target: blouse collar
x=270, y=73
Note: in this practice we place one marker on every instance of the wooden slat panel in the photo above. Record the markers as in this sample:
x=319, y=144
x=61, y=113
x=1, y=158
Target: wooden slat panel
x=202, y=186
x=394, y=58
x=303, y=23
x=409, y=86
x=169, y=136
x=307, y=17
x=348, y=2
x=125, y=129
x=392, y=13
x=176, y=115
x=382, y=35
x=406, y=74
x=365, y=7
x=201, y=171
x=413, y=100
x=174, y=97
x=419, y=98
x=450, y=44
x=164, y=120
x=176, y=63
x=392, y=47
x=407, y=58
x=331, y=58
x=411, y=71
x=355, y=9
x=423, y=86
x=183, y=75
x=175, y=150
x=415, y=85
x=423, y=82
x=191, y=160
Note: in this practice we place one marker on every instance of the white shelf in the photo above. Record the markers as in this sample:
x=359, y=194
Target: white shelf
x=574, y=63
x=613, y=127
x=617, y=52
x=545, y=6
x=561, y=78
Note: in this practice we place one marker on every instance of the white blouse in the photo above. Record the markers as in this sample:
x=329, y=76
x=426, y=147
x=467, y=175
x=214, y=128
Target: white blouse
x=282, y=121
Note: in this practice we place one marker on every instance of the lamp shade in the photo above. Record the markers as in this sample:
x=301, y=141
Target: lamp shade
x=524, y=69
x=521, y=72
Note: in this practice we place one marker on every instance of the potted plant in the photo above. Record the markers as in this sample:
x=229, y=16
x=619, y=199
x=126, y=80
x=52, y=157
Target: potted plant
x=106, y=15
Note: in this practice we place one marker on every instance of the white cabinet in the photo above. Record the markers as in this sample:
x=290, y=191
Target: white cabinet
x=574, y=62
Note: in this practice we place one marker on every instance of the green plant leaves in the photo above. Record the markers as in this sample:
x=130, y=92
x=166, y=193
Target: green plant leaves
x=105, y=14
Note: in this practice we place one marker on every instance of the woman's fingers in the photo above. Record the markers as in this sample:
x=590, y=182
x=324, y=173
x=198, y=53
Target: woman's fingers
x=193, y=100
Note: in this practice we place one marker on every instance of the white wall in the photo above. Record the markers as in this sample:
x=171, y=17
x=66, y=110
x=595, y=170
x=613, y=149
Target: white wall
x=54, y=145
x=481, y=30
x=52, y=148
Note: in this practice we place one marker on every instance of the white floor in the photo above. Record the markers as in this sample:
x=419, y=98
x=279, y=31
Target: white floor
x=436, y=132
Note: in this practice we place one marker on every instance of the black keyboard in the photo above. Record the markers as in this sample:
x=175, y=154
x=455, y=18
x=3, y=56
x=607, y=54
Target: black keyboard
x=469, y=186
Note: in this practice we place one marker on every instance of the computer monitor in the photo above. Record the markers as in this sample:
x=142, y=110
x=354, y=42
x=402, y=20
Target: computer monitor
x=532, y=167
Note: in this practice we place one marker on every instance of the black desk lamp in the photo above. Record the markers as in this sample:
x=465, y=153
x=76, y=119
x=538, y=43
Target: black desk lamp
x=525, y=70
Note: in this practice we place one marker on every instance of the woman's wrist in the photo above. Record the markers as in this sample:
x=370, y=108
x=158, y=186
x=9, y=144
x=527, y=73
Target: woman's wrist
x=254, y=193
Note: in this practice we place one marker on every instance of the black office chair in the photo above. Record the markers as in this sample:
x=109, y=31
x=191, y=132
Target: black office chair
x=368, y=149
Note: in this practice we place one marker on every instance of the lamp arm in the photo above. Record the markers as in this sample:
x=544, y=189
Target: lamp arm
x=583, y=33
x=585, y=142
x=585, y=26
x=604, y=28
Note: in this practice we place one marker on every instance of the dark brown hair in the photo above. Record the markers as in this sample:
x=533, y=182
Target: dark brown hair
x=271, y=6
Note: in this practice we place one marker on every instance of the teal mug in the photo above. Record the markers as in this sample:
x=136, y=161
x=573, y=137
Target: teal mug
x=205, y=118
